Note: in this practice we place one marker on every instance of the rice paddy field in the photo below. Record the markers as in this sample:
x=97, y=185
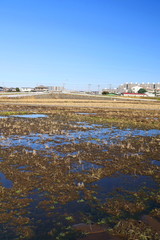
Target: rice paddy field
x=79, y=169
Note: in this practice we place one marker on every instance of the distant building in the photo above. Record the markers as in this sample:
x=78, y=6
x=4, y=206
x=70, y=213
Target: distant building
x=55, y=89
x=11, y=90
x=133, y=87
x=41, y=88
x=1, y=89
x=26, y=89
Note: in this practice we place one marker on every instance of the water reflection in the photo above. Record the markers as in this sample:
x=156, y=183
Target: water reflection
x=5, y=182
x=49, y=175
x=31, y=116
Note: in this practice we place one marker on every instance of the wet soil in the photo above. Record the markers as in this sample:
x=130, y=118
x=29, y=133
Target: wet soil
x=64, y=168
x=94, y=231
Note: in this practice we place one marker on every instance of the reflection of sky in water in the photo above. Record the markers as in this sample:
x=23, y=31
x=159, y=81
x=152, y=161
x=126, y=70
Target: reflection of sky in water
x=5, y=182
x=86, y=113
x=26, y=116
x=93, y=134
x=30, y=115
x=84, y=166
x=3, y=117
x=87, y=125
x=128, y=182
x=156, y=162
x=96, y=135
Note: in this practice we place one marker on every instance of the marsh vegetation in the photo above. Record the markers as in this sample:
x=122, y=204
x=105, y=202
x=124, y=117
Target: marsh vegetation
x=77, y=174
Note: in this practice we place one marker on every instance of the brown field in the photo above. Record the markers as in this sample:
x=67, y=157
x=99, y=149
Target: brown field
x=66, y=100
x=88, y=168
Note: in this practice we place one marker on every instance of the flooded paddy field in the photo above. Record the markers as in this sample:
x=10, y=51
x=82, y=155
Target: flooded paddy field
x=71, y=174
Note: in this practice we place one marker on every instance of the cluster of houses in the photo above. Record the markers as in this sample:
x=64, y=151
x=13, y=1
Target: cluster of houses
x=126, y=89
x=135, y=89
x=40, y=88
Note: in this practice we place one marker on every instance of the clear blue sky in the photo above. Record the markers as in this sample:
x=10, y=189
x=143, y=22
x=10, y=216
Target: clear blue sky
x=79, y=42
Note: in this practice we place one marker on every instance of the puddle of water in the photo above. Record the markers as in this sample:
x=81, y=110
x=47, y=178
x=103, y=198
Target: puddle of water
x=85, y=125
x=34, y=141
x=84, y=166
x=85, y=113
x=156, y=162
x=94, y=135
x=101, y=135
x=109, y=135
x=127, y=182
x=23, y=169
x=31, y=115
x=156, y=118
x=3, y=117
x=5, y=182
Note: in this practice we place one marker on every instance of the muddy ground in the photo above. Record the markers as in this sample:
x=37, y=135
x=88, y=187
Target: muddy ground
x=79, y=173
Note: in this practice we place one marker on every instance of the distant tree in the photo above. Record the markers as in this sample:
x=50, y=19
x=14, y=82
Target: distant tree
x=142, y=90
x=105, y=92
x=17, y=89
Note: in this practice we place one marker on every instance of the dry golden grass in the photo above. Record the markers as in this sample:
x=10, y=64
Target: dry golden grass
x=88, y=103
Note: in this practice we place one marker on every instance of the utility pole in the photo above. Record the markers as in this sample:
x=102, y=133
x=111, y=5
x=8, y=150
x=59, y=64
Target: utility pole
x=89, y=87
x=63, y=86
x=98, y=87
